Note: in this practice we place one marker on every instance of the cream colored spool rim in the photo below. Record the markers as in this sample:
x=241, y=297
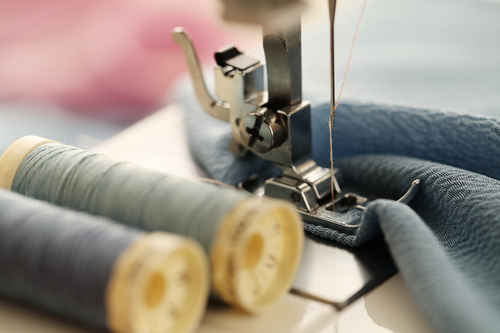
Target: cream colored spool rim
x=256, y=254
x=159, y=284
x=11, y=159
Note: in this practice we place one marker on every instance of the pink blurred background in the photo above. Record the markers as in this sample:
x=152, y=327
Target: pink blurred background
x=112, y=59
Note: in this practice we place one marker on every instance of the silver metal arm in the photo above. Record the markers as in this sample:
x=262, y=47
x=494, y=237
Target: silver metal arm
x=215, y=108
x=284, y=64
x=261, y=11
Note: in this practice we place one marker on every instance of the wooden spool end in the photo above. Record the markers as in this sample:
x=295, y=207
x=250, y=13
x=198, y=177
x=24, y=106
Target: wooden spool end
x=159, y=284
x=256, y=254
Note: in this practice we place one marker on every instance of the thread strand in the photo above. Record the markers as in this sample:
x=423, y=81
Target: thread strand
x=331, y=120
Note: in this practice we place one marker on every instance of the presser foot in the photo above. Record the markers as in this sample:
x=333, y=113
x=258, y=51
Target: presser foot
x=313, y=202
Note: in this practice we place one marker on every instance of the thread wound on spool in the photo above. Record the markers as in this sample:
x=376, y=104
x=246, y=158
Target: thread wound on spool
x=224, y=221
x=70, y=263
x=12, y=158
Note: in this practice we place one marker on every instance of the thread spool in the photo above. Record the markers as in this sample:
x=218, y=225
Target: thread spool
x=98, y=272
x=254, y=246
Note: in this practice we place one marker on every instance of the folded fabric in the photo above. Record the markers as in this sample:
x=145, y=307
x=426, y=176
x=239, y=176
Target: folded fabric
x=449, y=254
x=447, y=246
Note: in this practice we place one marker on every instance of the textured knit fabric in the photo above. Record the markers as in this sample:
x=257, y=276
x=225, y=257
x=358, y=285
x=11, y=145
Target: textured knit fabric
x=447, y=245
x=461, y=140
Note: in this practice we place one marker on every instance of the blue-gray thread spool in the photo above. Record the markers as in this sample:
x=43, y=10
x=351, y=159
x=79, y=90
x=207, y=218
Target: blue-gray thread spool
x=70, y=263
x=239, y=233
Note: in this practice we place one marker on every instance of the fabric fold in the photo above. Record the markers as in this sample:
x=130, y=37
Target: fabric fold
x=446, y=243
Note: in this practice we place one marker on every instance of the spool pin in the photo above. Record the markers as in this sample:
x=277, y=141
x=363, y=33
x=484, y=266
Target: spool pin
x=256, y=252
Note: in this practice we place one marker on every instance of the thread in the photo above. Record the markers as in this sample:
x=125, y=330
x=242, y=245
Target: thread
x=98, y=272
x=254, y=246
x=332, y=6
x=331, y=120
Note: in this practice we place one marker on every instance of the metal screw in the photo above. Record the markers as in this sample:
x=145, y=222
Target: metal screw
x=256, y=133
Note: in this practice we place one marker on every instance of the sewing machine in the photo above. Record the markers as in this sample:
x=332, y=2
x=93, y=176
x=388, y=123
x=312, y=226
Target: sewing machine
x=275, y=125
x=389, y=305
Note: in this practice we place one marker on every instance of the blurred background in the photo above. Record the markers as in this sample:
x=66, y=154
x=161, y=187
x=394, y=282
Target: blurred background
x=79, y=71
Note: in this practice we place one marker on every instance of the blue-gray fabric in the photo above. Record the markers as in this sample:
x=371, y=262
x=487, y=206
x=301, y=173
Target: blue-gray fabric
x=447, y=246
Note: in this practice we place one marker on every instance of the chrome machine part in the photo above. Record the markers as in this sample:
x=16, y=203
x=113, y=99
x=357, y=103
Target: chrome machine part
x=275, y=124
x=217, y=109
x=284, y=64
x=261, y=11
x=313, y=200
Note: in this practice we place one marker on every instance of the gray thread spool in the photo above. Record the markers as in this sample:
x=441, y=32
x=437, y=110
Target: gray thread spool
x=254, y=246
x=84, y=267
